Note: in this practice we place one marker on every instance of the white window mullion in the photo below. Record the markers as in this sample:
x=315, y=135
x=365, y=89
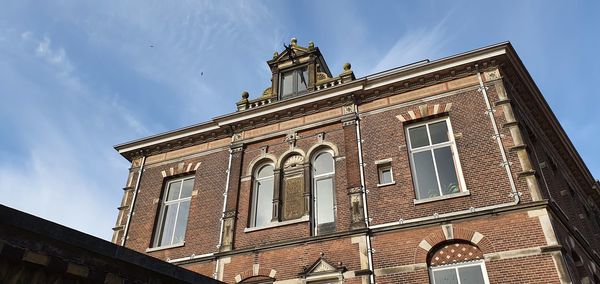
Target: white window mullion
x=175, y=223
x=437, y=176
x=428, y=134
x=457, y=275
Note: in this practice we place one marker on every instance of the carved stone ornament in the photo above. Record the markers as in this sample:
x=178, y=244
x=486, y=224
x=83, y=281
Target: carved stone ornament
x=293, y=161
x=293, y=197
x=320, y=267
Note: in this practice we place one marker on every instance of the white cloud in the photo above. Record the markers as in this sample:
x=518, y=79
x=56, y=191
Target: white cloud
x=26, y=35
x=417, y=45
x=67, y=171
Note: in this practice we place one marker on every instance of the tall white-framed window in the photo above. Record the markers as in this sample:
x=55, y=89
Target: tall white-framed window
x=174, y=211
x=262, y=196
x=472, y=272
x=323, y=186
x=434, y=159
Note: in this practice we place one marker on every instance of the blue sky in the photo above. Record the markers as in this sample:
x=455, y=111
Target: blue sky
x=77, y=77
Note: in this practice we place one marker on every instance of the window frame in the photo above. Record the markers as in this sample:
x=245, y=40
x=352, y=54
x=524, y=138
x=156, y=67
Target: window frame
x=254, y=199
x=456, y=266
x=462, y=188
x=314, y=179
x=295, y=77
x=163, y=204
x=381, y=167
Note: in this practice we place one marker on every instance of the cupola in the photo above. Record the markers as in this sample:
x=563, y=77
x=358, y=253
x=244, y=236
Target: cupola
x=296, y=71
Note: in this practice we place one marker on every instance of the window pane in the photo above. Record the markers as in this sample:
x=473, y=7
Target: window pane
x=446, y=170
x=324, y=195
x=323, y=164
x=471, y=275
x=287, y=84
x=188, y=186
x=266, y=171
x=264, y=202
x=182, y=217
x=174, y=189
x=438, y=132
x=446, y=276
x=168, y=223
x=426, y=180
x=385, y=176
x=302, y=79
x=418, y=137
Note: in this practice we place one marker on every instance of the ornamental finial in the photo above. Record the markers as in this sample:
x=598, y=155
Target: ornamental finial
x=347, y=67
x=294, y=41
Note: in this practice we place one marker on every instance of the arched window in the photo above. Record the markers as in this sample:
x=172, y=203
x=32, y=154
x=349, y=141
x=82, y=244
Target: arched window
x=323, y=186
x=262, y=196
x=458, y=262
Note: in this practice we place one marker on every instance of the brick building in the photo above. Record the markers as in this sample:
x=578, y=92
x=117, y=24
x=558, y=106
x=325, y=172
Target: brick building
x=434, y=172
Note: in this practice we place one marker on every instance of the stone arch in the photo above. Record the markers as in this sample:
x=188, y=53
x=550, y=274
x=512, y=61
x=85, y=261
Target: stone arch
x=453, y=251
x=260, y=160
x=287, y=154
x=320, y=146
x=424, y=111
x=256, y=274
x=448, y=233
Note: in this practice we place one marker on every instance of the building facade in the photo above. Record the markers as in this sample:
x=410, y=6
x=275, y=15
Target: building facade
x=445, y=171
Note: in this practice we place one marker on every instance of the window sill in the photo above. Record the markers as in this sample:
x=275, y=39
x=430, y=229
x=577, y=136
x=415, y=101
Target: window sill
x=165, y=247
x=277, y=224
x=443, y=197
x=386, y=184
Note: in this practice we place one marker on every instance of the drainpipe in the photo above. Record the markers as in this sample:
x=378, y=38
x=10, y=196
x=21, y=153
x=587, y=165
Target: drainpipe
x=137, y=186
x=498, y=137
x=364, y=196
x=223, y=211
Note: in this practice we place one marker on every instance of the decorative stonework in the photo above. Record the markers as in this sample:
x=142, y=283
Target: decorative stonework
x=181, y=168
x=293, y=197
x=349, y=109
x=228, y=227
x=424, y=111
x=322, y=266
x=445, y=233
x=455, y=253
x=293, y=161
x=321, y=76
x=256, y=274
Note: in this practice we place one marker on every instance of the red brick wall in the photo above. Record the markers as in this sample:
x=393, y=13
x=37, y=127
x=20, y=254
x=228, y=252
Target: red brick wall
x=290, y=261
x=485, y=178
x=202, y=233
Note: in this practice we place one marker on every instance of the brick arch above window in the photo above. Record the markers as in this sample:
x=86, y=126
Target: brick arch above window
x=449, y=233
x=287, y=154
x=182, y=168
x=256, y=274
x=424, y=111
x=320, y=146
x=452, y=252
x=257, y=161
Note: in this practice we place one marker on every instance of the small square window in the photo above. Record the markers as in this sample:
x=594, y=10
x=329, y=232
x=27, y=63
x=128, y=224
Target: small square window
x=385, y=174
